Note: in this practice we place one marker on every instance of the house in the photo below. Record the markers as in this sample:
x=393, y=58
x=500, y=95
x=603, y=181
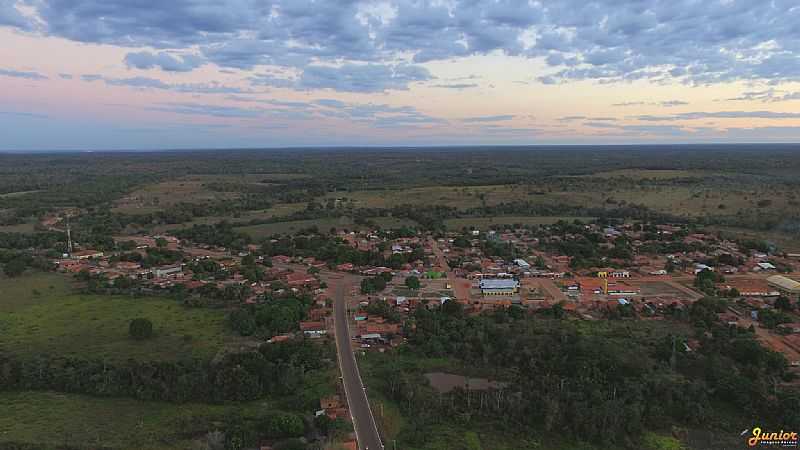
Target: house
x=751, y=287
x=86, y=254
x=295, y=279
x=166, y=271
x=346, y=267
x=789, y=328
x=785, y=286
x=765, y=266
x=522, y=263
x=313, y=329
x=281, y=259
x=498, y=286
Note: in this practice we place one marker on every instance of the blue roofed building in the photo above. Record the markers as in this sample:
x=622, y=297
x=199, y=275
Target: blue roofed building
x=499, y=286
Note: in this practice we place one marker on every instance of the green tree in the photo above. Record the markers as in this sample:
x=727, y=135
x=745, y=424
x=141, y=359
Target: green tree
x=783, y=303
x=15, y=267
x=141, y=329
x=412, y=282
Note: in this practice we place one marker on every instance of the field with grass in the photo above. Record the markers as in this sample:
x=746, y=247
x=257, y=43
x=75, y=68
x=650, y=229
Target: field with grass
x=649, y=174
x=486, y=222
x=688, y=199
x=49, y=420
x=280, y=210
x=40, y=314
x=268, y=229
x=28, y=227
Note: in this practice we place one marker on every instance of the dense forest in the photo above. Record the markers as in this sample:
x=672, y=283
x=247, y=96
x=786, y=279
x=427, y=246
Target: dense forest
x=606, y=382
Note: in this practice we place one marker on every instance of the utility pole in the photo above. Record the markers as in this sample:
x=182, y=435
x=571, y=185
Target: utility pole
x=69, y=237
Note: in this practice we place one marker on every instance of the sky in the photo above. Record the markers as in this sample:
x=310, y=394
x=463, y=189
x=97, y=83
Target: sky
x=154, y=74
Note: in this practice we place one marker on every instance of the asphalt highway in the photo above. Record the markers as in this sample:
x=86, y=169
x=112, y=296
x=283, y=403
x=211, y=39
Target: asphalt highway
x=363, y=421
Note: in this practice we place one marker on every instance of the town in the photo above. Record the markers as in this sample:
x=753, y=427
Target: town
x=262, y=308
x=590, y=271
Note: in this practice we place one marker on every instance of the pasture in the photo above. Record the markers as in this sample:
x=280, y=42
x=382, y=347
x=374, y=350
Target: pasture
x=41, y=315
x=483, y=223
x=50, y=420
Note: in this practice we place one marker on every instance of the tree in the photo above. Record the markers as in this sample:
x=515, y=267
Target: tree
x=783, y=303
x=412, y=282
x=452, y=308
x=242, y=321
x=161, y=242
x=15, y=267
x=141, y=329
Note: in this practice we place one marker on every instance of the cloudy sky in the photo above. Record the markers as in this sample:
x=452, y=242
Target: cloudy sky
x=123, y=74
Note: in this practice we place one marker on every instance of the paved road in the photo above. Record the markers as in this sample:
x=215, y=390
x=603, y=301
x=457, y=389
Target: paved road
x=363, y=421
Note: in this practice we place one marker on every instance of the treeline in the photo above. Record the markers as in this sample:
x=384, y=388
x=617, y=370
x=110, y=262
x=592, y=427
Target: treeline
x=334, y=250
x=274, y=370
x=277, y=316
x=23, y=241
x=222, y=234
x=607, y=386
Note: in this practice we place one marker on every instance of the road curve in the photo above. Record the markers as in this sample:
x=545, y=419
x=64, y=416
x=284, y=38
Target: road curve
x=363, y=421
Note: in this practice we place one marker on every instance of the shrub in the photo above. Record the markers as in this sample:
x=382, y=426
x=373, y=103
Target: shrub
x=141, y=329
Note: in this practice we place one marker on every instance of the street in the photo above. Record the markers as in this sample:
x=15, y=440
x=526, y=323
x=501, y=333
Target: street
x=363, y=421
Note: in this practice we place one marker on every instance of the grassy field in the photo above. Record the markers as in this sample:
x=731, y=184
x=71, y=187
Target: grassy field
x=787, y=242
x=276, y=211
x=486, y=222
x=651, y=174
x=49, y=419
x=701, y=195
x=28, y=227
x=40, y=315
x=266, y=230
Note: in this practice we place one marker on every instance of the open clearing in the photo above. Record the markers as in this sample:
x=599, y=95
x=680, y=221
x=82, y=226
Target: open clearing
x=685, y=199
x=51, y=420
x=653, y=174
x=487, y=222
x=40, y=316
x=28, y=227
x=269, y=229
x=281, y=210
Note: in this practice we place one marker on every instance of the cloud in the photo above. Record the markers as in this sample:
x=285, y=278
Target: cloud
x=497, y=118
x=655, y=129
x=153, y=83
x=137, y=82
x=594, y=119
x=24, y=114
x=458, y=86
x=163, y=61
x=721, y=115
x=362, y=78
x=767, y=96
x=600, y=125
x=12, y=17
x=376, y=114
x=663, y=104
x=198, y=109
x=671, y=103
x=18, y=74
x=690, y=41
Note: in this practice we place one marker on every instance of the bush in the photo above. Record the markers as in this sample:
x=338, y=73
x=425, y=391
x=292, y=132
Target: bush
x=141, y=329
x=412, y=282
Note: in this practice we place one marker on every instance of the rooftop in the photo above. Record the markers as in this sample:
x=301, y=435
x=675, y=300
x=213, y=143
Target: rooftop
x=493, y=283
x=784, y=283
